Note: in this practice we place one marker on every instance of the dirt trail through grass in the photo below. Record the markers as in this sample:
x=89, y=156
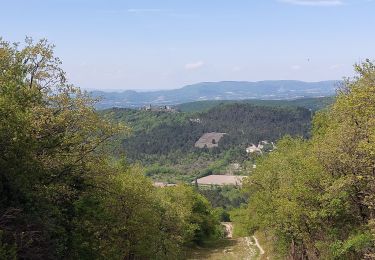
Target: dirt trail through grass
x=244, y=248
x=261, y=251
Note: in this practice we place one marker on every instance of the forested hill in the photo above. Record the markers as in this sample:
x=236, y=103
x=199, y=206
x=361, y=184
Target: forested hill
x=226, y=90
x=313, y=104
x=157, y=133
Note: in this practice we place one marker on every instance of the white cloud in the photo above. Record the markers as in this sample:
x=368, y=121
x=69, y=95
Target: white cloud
x=194, y=65
x=314, y=2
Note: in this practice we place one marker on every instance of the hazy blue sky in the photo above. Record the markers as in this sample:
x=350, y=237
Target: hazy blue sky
x=153, y=44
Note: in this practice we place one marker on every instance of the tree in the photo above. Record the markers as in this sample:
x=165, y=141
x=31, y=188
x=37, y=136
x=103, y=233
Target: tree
x=51, y=139
x=196, y=215
x=345, y=135
x=61, y=195
x=316, y=197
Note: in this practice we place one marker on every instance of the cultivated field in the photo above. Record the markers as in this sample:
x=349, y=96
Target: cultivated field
x=209, y=140
x=221, y=180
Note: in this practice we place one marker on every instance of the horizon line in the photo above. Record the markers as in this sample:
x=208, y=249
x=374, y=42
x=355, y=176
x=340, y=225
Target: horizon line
x=202, y=82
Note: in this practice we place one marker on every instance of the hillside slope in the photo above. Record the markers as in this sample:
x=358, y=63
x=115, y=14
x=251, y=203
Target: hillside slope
x=313, y=104
x=163, y=139
x=226, y=90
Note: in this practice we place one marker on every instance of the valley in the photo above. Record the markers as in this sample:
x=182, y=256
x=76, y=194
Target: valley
x=182, y=146
x=187, y=130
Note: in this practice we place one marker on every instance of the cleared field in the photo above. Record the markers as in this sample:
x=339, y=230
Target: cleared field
x=221, y=180
x=209, y=140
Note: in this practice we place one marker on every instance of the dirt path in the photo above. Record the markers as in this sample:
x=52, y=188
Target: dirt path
x=261, y=251
x=246, y=248
x=227, y=249
x=228, y=229
x=229, y=234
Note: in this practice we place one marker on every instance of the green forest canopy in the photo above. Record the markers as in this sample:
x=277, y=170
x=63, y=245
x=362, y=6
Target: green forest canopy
x=315, y=198
x=309, y=103
x=61, y=196
x=164, y=142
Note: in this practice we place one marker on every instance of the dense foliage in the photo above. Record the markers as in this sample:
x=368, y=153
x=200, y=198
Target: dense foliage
x=164, y=141
x=61, y=196
x=176, y=132
x=225, y=197
x=309, y=103
x=315, y=198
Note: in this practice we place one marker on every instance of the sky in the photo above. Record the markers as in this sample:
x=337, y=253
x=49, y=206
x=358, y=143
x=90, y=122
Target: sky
x=165, y=44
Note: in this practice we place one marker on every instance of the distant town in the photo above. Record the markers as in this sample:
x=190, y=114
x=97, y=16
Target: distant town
x=159, y=108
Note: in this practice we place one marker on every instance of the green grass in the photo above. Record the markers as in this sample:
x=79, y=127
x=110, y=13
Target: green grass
x=225, y=249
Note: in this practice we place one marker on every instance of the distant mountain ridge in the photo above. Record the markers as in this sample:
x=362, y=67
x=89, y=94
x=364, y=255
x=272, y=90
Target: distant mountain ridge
x=224, y=90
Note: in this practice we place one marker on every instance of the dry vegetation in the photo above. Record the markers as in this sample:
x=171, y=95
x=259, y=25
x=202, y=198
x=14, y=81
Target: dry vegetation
x=209, y=140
